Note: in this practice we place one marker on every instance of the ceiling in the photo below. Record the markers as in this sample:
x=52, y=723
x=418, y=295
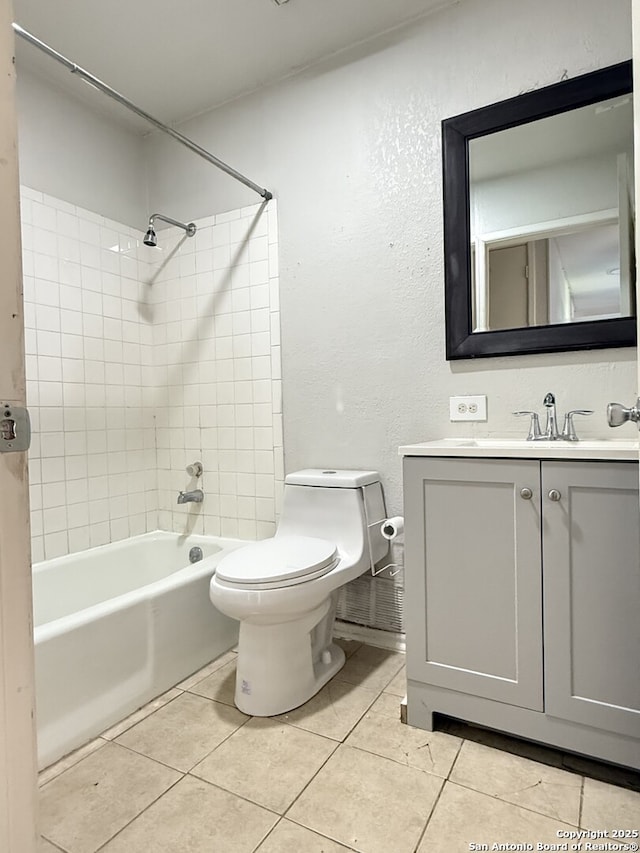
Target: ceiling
x=176, y=60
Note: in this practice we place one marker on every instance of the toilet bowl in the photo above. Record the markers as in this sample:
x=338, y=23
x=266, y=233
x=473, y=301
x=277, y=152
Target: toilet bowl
x=284, y=590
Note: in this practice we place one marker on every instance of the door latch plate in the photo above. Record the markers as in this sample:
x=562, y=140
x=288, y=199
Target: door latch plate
x=15, y=428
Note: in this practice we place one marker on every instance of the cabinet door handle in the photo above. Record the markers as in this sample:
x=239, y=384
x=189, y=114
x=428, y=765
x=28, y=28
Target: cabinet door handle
x=526, y=493
x=554, y=495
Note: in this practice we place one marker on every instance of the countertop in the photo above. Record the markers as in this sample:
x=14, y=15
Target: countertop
x=604, y=449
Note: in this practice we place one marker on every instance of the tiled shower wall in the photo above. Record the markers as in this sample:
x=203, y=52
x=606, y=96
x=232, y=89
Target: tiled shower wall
x=217, y=359
x=89, y=367
x=126, y=389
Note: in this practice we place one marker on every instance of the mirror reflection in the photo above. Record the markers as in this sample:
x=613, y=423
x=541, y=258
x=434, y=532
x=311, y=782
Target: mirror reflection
x=552, y=212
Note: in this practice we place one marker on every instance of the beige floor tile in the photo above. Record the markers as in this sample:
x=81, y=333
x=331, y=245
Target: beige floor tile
x=181, y=733
x=463, y=817
x=68, y=761
x=288, y=837
x=85, y=806
x=609, y=807
x=398, y=685
x=201, y=674
x=381, y=732
x=195, y=817
x=332, y=712
x=371, y=667
x=368, y=802
x=140, y=714
x=548, y=790
x=267, y=762
x=347, y=646
x=220, y=685
x=47, y=847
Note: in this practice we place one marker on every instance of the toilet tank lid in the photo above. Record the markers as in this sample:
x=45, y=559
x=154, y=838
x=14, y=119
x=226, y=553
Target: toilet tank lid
x=332, y=478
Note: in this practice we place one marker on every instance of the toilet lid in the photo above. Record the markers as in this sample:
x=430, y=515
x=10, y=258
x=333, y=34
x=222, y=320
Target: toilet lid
x=283, y=558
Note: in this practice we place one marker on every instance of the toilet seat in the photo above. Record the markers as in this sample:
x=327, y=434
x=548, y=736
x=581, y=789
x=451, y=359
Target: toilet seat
x=278, y=562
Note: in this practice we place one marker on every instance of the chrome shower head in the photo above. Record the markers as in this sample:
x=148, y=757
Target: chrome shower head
x=150, y=238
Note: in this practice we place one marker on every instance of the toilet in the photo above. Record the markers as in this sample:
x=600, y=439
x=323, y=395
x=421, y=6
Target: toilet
x=284, y=590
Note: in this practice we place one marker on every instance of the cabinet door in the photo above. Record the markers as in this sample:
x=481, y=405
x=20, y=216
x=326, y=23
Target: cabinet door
x=473, y=578
x=591, y=558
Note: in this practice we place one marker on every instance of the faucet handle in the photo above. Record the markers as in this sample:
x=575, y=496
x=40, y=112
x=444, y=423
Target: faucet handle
x=569, y=430
x=534, y=426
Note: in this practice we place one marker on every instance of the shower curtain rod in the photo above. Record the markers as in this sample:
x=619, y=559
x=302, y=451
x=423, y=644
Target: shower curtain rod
x=107, y=90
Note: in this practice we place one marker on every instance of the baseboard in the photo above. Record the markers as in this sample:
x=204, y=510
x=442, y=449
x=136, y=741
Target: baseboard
x=370, y=636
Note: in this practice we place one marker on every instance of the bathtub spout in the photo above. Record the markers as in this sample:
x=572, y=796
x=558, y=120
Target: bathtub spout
x=196, y=496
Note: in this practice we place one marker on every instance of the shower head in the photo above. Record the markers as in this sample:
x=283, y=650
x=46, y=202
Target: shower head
x=150, y=238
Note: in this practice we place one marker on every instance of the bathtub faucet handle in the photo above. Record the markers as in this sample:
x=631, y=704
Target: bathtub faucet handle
x=195, y=469
x=196, y=496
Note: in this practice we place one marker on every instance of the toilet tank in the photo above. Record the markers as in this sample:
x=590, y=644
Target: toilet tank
x=335, y=504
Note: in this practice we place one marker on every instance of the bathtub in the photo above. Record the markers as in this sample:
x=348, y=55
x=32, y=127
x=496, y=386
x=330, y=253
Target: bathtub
x=116, y=626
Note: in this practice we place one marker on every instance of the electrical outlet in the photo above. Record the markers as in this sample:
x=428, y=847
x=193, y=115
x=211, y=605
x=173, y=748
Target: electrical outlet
x=468, y=408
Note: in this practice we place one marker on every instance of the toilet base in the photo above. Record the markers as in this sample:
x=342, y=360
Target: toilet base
x=278, y=669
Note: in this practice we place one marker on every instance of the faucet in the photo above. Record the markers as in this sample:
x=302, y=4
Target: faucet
x=551, y=431
x=196, y=496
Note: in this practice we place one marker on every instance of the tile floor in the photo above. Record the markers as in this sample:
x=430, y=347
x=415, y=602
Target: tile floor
x=189, y=773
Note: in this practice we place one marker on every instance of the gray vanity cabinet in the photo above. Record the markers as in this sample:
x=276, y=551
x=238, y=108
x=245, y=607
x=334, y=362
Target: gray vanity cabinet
x=522, y=598
x=591, y=561
x=474, y=617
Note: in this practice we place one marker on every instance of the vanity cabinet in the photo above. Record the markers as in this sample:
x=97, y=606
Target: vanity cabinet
x=522, y=597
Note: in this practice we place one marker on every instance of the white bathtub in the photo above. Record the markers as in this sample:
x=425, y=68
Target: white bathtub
x=116, y=626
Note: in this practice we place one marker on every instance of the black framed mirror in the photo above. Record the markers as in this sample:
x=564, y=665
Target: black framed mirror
x=539, y=220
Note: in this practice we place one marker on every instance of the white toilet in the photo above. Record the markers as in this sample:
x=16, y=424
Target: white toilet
x=284, y=590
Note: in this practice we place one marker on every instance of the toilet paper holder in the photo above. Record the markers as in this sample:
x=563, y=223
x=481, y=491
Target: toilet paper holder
x=379, y=523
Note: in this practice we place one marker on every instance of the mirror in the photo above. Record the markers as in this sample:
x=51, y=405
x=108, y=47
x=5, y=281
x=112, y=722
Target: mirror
x=539, y=220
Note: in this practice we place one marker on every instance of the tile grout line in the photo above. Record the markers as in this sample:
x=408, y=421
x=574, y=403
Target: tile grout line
x=509, y=803
x=224, y=740
x=148, y=806
x=301, y=792
x=147, y=717
x=169, y=766
x=446, y=779
x=42, y=785
x=54, y=844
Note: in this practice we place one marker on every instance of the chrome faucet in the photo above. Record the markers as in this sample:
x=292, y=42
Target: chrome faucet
x=196, y=497
x=551, y=431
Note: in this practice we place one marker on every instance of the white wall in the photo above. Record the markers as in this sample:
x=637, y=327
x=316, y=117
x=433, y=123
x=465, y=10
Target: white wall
x=560, y=191
x=352, y=150
x=72, y=152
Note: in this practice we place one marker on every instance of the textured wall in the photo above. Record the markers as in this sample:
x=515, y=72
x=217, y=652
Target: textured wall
x=352, y=150
x=72, y=152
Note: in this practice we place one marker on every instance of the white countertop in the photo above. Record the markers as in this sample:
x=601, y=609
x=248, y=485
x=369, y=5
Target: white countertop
x=613, y=449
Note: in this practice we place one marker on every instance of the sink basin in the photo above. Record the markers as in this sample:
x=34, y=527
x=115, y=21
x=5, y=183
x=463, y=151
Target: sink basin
x=613, y=449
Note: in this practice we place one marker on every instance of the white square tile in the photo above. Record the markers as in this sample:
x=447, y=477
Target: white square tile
x=46, y=290
x=56, y=544
x=49, y=368
x=47, y=318
x=260, y=296
x=79, y=539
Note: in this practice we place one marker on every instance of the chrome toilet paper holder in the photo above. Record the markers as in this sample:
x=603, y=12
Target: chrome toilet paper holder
x=378, y=523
